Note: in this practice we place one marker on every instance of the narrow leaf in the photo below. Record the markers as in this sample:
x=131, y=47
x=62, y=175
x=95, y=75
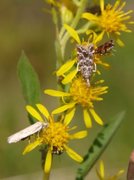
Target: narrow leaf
x=99, y=145
x=29, y=82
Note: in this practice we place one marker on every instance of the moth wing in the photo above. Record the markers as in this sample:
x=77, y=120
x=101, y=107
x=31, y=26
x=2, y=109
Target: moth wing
x=30, y=130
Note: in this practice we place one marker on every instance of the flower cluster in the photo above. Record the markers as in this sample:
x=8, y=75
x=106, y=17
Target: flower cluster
x=55, y=136
x=112, y=20
x=78, y=79
x=80, y=94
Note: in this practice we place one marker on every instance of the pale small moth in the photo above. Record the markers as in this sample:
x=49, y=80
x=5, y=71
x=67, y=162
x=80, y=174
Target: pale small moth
x=27, y=132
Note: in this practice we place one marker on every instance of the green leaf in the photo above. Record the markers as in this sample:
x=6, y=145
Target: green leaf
x=99, y=145
x=29, y=82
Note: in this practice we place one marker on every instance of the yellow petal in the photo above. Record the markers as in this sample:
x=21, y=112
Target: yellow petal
x=96, y=117
x=102, y=5
x=99, y=37
x=48, y=162
x=87, y=118
x=73, y=154
x=116, y=176
x=34, y=113
x=120, y=43
x=43, y=110
x=100, y=81
x=56, y=93
x=72, y=33
x=69, y=116
x=92, y=35
x=120, y=172
x=106, y=65
x=68, y=78
x=116, y=5
x=31, y=146
x=131, y=22
x=102, y=169
x=79, y=135
x=89, y=17
x=63, y=108
x=65, y=67
x=128, y=30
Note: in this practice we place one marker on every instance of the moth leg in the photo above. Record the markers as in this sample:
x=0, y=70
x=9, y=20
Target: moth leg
x=95, y=68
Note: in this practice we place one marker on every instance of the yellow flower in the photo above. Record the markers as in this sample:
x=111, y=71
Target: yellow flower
x=113, y=20
x=101, y=173
x=55, y=136
x=80, y=94
x=70, y=69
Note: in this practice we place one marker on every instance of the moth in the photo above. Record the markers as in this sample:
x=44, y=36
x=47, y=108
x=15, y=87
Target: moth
x=86, y=65
x=27, y=132
x=86, y=54
x=105, y=48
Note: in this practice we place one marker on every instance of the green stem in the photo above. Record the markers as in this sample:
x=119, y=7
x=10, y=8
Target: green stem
x=59, y=60
x=74, y=24
x=57, y=41
x=59, y=55
x=62, y=31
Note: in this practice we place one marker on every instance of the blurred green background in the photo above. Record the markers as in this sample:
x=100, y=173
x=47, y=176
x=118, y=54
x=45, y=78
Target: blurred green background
x=24, y=25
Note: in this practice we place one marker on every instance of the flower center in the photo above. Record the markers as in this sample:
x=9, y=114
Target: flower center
x=111, y=20
x=81, y=93
x=56, y=136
